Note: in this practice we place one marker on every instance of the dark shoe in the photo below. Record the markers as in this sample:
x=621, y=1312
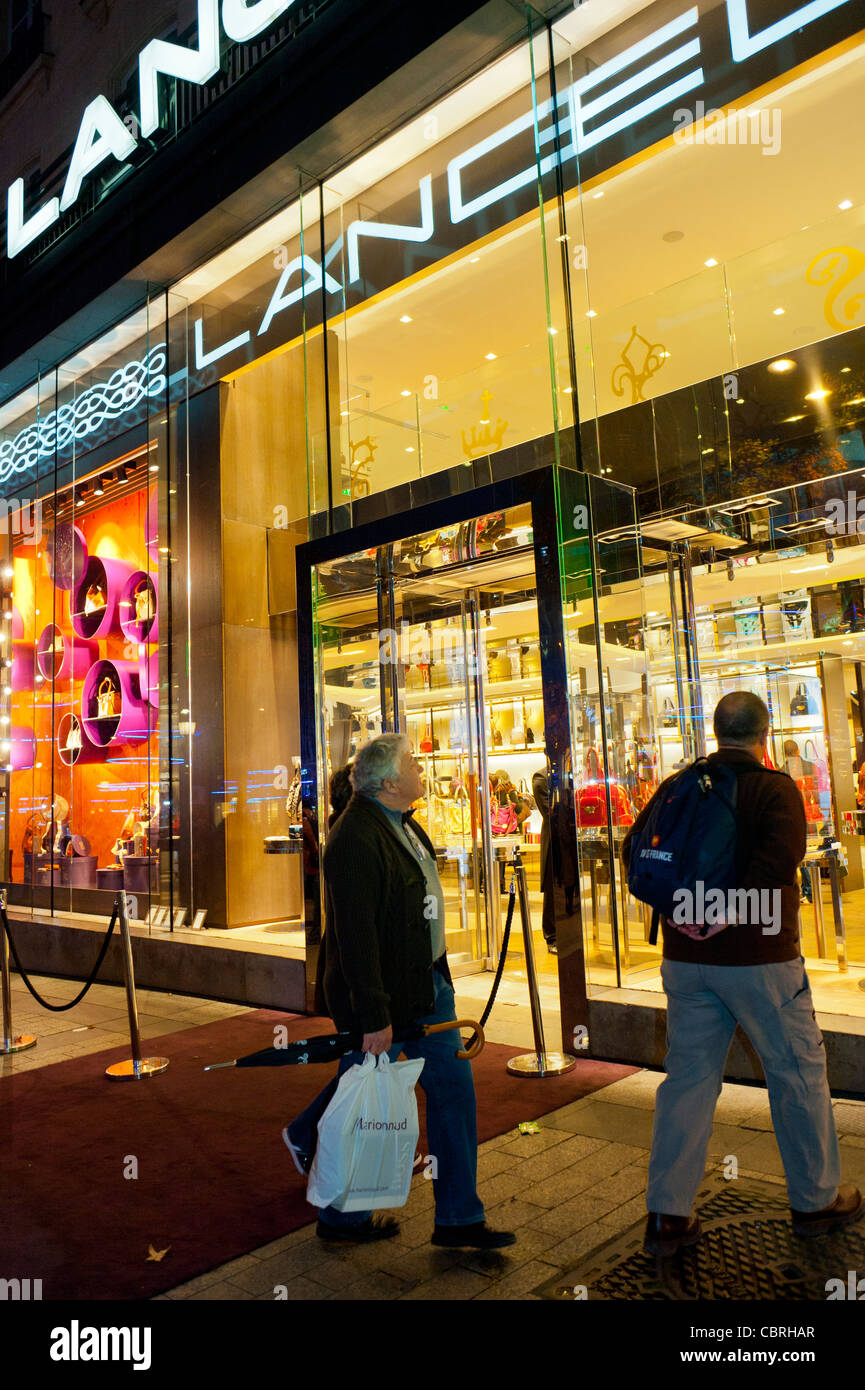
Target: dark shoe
x=302, y=1160
x=552, y=948
x=478, y=1235
x=376, y=1228
x=847, y=1206
x=665, y=1235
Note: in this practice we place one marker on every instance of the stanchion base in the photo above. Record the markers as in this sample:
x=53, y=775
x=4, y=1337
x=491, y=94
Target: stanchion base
x=132, y=1071
x=19, y=1044
x=547, y=1064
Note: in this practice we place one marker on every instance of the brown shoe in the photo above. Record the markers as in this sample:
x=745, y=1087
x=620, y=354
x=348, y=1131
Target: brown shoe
x=847, y=1206
x=665, y=1235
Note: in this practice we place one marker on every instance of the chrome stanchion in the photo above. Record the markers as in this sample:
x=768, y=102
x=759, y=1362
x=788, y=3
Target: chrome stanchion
x=137, y=1066
x=23, y=1040
x=540, y=1062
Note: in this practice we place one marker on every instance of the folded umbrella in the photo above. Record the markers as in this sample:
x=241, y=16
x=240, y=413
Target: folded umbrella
x=334, y=1045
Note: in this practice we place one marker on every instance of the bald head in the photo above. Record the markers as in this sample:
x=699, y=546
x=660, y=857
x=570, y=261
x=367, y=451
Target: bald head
x=741, y=720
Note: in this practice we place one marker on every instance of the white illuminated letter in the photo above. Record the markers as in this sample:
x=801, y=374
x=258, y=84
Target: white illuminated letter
x=101, y=133
x=242, y=22
x=206, y=359
x=389, y=231
x=20, y=233
x=278, y=302
x=743, y=44
x=192, y=64
x=582, y=112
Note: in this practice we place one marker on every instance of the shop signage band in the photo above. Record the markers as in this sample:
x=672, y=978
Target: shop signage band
x=103, y=135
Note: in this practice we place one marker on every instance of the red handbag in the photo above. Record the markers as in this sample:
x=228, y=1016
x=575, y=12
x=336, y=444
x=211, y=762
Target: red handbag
x=504, y=820
x=592, y=805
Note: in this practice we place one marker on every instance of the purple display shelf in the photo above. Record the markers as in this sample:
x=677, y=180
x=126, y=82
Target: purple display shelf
x=135, y=721
x=73, y=659
x=148, y=630
x=23, y=666
x=148, y=674
x=66, y=555
x=21, y=752
x=71, y=757
x=111, y=575
x=151, y=526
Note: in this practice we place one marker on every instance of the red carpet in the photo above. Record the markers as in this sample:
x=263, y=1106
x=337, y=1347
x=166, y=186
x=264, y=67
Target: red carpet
x=214, y=1177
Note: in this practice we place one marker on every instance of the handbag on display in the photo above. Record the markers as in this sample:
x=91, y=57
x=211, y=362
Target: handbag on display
x=504, y=820
x=414, y=678
x=821, y=771
x=144, y=604
x=796, y=617
x=499, y=667
x=669, y=720
x=592, y=805
x=801, y=702
x=460, y=816
x=107, y=700
x=73, y=736
x=94, y=599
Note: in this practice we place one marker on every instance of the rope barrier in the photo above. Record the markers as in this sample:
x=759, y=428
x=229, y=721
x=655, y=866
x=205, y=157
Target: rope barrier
x=512, y=897
x=57, y=1008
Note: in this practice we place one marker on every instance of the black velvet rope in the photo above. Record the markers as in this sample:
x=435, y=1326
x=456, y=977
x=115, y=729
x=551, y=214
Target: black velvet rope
x=58, y=1008
x=512, y=897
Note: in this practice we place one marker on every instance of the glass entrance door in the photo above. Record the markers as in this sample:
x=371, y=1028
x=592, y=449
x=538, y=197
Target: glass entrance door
x=437, y=636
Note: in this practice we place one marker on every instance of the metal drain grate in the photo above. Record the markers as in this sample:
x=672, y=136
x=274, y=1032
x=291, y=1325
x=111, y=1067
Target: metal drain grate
x=849, y=1116
x=748, y=1251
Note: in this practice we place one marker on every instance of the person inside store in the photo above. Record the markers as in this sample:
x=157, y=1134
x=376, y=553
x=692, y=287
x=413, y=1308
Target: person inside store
x=802, y=772
x=505, y=794
x=541, y=793
x=387, y=968
x=742, y=974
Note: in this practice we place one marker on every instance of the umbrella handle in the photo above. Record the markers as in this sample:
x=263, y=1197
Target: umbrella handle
x=460, y=1023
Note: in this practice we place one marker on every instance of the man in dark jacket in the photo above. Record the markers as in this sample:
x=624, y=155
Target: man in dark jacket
x=386, y=968
x=752, y=974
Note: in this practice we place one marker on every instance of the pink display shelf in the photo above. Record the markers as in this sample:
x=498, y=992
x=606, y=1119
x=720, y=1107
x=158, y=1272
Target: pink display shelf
x=111, y=575
x=71, y=757
x=60, y=657
x=133, y=723
x=21, y=751
x=147, y=629
x=148, y=674
x=23, y=666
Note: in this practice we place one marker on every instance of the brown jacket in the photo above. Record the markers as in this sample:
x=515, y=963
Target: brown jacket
x=770, y=845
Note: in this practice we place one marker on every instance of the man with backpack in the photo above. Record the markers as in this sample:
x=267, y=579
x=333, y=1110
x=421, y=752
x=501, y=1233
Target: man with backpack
x=715, y=852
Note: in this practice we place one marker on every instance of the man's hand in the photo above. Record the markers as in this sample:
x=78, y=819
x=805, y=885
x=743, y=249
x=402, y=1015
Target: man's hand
x=376, y=1043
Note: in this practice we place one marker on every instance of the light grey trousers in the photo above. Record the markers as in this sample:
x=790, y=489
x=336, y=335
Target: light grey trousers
x=773, y=1004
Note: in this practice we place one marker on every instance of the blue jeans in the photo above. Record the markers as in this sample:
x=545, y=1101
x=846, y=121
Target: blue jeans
x=451, y=1119
x=773, y=1004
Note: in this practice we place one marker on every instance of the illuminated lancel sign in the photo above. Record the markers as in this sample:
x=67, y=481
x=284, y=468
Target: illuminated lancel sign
x=102, y=135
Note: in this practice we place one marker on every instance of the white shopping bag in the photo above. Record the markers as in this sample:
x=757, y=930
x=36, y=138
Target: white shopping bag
x=367, y=1138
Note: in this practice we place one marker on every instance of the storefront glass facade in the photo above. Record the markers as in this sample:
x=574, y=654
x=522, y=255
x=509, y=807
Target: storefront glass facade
x=630, y=247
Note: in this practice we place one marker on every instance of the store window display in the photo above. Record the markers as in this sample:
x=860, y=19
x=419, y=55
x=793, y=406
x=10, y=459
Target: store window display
x=82, y=700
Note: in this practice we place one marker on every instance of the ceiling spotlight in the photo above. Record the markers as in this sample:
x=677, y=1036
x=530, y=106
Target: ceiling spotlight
x=845, y=205
x=710, y=262
x=777, y=312
x=490, y=356
x=405, y=393
x=591, y=313
x=154, y=468
x=598, y=195
x=791, y=419
x=782, y=364
x=818, y=394
x=406, y=318
x=98, y=489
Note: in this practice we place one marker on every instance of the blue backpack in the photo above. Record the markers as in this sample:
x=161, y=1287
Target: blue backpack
x=689, y=837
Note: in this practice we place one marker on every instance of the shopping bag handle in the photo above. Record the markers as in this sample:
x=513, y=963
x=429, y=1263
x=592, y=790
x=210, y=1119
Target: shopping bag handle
x=472, y=1052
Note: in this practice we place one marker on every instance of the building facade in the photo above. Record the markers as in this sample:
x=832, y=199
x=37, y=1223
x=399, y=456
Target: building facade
x=500, y=381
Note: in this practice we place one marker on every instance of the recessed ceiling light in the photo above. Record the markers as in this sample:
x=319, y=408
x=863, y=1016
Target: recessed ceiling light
x=491, y=356
x=777, y=312
x=591, y=313
x=740, y=401
x=818, y=394
x=473, y=260
x=598, y=195
x=710, y=262
x=845, y=205
x=405, y=393
x=846, y=369
x=485, y=422
x=791, y=419
x=568, y=390
x=564, y=237
x=409, y=450
x=782, y=364
x=552, y=331
x=406, y=318
x=707, y=451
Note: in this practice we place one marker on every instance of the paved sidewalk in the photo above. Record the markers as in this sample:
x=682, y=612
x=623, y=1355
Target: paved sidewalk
x=578, y=1183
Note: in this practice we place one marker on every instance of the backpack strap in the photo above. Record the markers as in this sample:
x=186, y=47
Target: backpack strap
x=653, y=933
